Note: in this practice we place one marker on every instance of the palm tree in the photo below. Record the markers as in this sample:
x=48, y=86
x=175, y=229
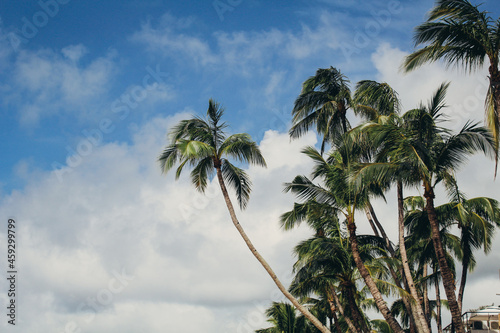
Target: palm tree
x=284, y=319
x=476, y=218
x=430, y=153
x=460, y=34
x=381, y=102
x=323, y=101
x=202, y=144
x=345, y=199
x=421, y=248
x=325, y=265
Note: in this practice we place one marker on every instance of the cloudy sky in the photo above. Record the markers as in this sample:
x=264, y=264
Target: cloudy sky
x=88, y=90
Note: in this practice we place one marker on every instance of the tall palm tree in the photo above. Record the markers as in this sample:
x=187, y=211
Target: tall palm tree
x=323, y=102
x=461, y=34
x=430, y=153
x=345, y=199
x=421, y=248
x=202, y=143
x=381, y=102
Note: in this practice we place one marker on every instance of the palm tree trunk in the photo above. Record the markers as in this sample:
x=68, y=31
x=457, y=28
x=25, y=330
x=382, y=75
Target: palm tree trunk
x=358, y=319
x=379, y=301
x=406, y=302
x=446, y=274
x=465, y=238
x=438, y=306
x=381, y=228
x=463, y=279
x=495, y=91
x=263, y=262
x=348, y=321
x=343, y=111
x=418, y=312
x=427, y=307
x=370, y=220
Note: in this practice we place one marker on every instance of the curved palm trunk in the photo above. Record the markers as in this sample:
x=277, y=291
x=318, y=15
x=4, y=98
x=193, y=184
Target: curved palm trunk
x=446, y=274
x=379, y=301
x=266, y=266
x=418, y=312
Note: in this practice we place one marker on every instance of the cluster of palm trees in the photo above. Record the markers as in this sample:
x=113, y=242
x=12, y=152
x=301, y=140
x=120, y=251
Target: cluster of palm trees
x=340, y=273
x=387, y=150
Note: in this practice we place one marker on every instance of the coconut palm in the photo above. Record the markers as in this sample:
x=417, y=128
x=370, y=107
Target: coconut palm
x=421, y=248
x=202, y=144
x=430, y=153
x=284, y=319
x=317, y=255
x=461, y=34
x=476, y=219
x=381, y=102
x=323, y=102
x=338, y=192
x=325, y=267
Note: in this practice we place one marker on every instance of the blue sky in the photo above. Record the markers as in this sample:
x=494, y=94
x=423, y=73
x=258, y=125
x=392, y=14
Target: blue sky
x=88, y=90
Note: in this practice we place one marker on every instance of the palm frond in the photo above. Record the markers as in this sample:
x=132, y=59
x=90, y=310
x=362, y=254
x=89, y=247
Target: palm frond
x=202, y=171
x=238, y=180
x=372, y=96
x=242, y=148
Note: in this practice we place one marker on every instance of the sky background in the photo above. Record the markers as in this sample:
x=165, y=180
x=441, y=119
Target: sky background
x=88, y=90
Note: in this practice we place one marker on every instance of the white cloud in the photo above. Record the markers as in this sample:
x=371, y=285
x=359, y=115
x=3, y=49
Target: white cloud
x=74, y=52
x=466, y=94
x=166, y=39
x=239, y=51
x=116, y=213
x=47, y=83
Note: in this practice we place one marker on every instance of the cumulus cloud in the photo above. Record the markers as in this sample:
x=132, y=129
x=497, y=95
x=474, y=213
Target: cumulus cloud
x=115, y=214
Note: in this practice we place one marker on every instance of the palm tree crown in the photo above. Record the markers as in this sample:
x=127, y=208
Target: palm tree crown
x=324, y=101
x=202, y=144
x=460, y=34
